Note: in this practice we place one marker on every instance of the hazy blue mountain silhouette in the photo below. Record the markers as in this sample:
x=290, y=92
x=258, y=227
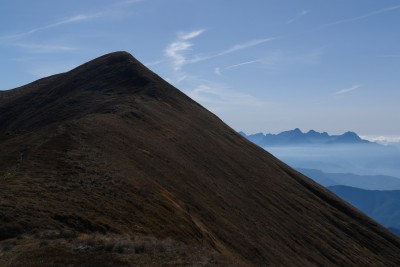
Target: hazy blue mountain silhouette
x=333, y=160
x=319, y=176
x=297, y=137
x=367, y=182
x=377, y=199
x=383, y=206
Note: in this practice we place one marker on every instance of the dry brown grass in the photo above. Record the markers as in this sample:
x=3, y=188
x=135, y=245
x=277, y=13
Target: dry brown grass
x=51, y=248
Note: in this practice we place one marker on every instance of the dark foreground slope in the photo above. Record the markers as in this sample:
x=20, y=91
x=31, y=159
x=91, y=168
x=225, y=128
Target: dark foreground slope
x=108, y=165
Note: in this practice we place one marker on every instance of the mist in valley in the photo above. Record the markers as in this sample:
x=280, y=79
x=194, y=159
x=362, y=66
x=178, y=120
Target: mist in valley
x=368, y=159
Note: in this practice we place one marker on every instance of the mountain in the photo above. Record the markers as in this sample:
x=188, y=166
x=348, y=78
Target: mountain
x=383, y=206
x=297, y=137
x=368, y=182
x=109, y=165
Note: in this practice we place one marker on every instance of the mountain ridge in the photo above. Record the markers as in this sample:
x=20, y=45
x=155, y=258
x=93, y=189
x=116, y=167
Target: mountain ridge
x=297, y=137
x=118, y=151
x=126, y=75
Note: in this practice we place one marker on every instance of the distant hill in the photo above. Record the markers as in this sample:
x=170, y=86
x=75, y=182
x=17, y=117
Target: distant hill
x=297, y=137
x=383, y=206
x=318, y=176
x=368, y=182
x=110, y=165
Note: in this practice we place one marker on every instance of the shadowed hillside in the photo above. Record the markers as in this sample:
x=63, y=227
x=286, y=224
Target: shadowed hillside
x=383, y=206
x=110, y=165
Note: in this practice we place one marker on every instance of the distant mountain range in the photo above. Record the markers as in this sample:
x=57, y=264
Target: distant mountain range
x=383, y=206
x=297, y=137
x=333, y=160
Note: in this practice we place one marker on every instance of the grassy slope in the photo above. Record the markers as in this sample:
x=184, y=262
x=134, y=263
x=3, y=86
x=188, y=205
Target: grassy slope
x=111, y=148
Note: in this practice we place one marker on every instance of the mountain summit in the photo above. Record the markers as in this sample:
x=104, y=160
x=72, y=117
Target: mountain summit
x=94, y=87
x=109, y=165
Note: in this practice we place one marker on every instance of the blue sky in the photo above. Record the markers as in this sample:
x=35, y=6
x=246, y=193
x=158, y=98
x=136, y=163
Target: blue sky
x=260, y=65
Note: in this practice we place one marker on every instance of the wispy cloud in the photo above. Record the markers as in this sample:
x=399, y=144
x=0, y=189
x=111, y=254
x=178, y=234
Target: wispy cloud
x=277, y=61
x=178, y=53
x=232, y=49
x=73, y=19
x=219, y=71
x=45, y=49
x=221, y=96
x=241, y=64
x=374, y=13
x=246, y=45
x=81, y=17
x=347, y=90
x=190, y=35
x=177, y=49
x=382, y=139
x=69, y=20
x=298, y=16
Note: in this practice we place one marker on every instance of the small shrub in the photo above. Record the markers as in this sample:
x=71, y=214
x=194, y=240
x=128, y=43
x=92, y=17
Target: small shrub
x=50, y=234
x=8, y=175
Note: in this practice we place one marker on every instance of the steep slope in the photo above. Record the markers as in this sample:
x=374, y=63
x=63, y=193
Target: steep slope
x=111, y=148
